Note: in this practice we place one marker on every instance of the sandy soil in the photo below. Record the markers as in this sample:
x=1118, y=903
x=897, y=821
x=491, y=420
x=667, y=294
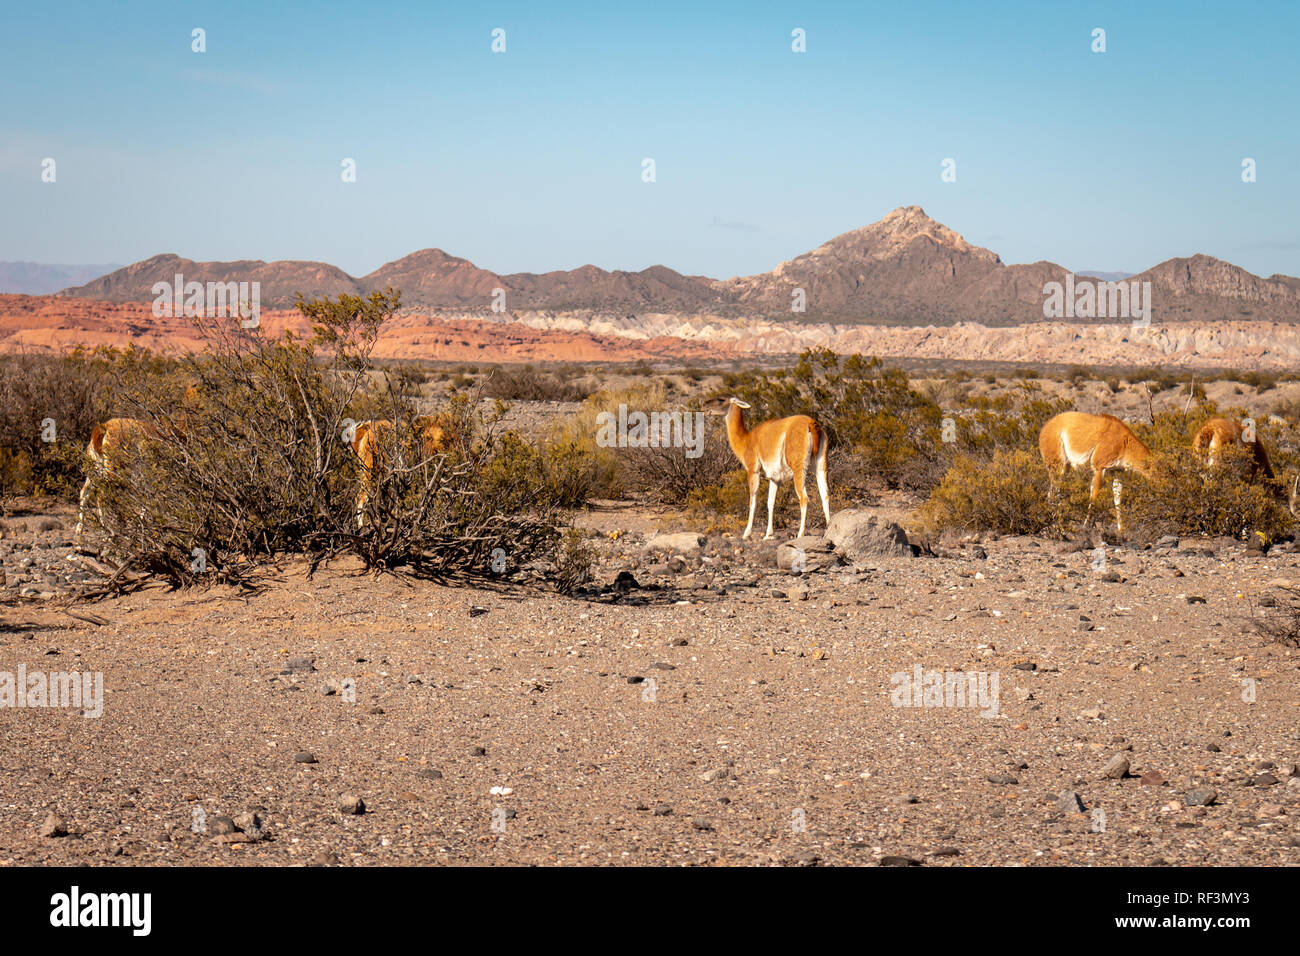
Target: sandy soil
x=768, y=736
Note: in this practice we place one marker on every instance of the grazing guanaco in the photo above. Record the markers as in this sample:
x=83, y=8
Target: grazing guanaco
x=1100, y=442
x=778, y=450
x=371, y=439
x=1219, y=433
x=115, y=441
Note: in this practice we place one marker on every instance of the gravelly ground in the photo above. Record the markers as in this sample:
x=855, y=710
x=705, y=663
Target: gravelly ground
x=768, y=735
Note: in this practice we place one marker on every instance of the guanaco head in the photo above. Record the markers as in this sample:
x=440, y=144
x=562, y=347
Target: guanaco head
x=730, y=407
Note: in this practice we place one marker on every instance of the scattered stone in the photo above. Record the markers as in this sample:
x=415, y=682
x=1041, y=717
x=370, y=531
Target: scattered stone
x=806, y=554
x=1002, y=778
x=236, y=837
x=899, y=861
x=860, y=535
x=1152, y=778
x=351, y=804
x=1200, y=797
x=304, y=756
x=1116, y=768
x=1070, y=802
x=250, y=822
x=686, y=541
x=299, y=665
x=700, y=823
x=219, y=824
x=53, y=827
x=429, y=773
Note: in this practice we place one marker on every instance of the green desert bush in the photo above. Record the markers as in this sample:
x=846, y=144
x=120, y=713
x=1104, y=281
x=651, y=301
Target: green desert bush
x=1007, y=494
x=881, y=430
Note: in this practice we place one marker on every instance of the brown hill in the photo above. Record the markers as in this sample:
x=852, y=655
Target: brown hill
x=905, y=269
x=280, y=281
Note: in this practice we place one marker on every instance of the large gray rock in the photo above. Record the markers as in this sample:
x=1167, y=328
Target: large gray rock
x=860, y=536
x=809, y=553
x=682, y=541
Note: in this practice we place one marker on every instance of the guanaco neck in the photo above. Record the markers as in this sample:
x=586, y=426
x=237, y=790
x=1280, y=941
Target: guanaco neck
x=736, y=430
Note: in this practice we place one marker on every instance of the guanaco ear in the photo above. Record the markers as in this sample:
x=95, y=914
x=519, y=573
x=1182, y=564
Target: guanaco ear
x=738, y=403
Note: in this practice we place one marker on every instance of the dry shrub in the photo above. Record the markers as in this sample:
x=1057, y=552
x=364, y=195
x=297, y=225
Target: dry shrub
x=573, y=562
x=594, y=471
x=881, y=430
x=529, y=384
x=1182, y=496
x=60, y=397
x=449, y=512
x=251, y=464
x=255, y=462
x=669, y=476
x=1276, y=618
x=1007, y=494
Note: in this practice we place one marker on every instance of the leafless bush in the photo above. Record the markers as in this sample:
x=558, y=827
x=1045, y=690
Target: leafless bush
x=668, y=475
x=526, y=383
x=1277, y=619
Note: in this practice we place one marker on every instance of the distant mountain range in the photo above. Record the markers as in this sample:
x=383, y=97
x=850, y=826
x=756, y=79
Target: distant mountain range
x=35, y=278
x=906, y=269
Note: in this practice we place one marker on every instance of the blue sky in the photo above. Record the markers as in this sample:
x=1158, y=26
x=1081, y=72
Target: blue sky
x=530, y=160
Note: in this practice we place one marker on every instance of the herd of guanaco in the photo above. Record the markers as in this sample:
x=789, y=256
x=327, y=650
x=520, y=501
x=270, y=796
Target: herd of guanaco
x=778, y=450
